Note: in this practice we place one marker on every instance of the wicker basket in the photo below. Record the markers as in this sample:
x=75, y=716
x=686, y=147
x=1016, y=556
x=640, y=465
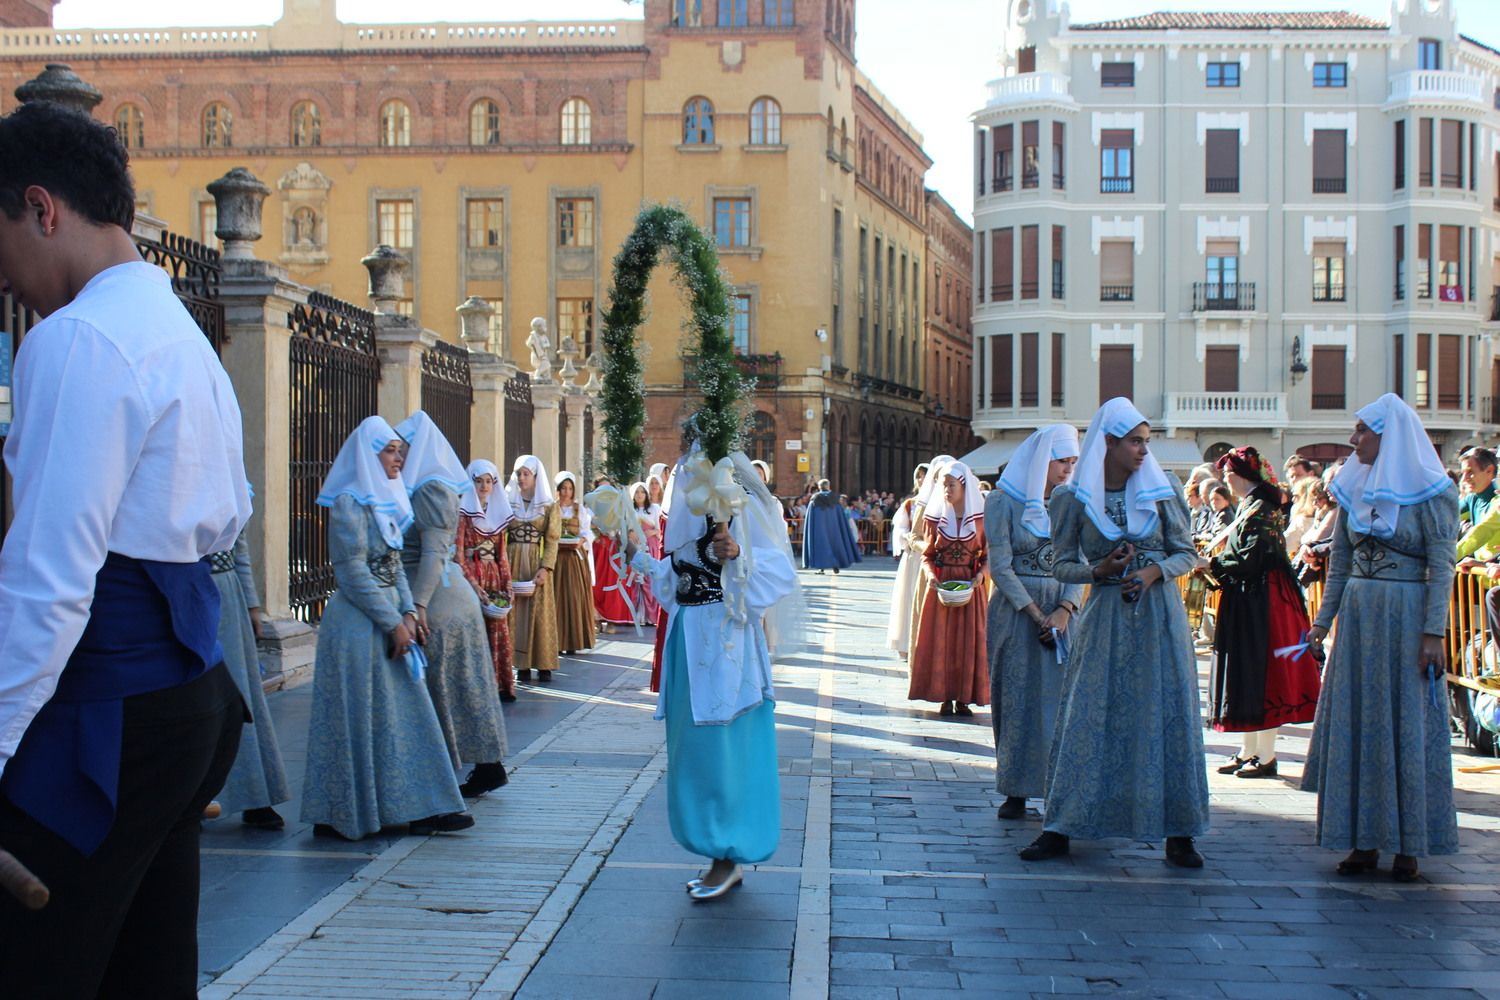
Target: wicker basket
x=522, y=588
x=955, y=598
x=496, y=611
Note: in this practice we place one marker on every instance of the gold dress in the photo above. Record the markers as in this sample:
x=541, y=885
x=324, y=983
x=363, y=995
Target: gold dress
x=575, y=591
x=531, y=544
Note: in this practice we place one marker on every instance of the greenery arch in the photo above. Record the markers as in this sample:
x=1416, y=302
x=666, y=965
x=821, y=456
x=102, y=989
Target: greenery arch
x=716, y=423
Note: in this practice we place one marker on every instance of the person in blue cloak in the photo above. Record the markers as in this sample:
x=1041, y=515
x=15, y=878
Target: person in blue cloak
x=827, y=542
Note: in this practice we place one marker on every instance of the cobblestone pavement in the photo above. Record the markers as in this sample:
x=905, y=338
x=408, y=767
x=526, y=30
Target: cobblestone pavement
x=894, y=880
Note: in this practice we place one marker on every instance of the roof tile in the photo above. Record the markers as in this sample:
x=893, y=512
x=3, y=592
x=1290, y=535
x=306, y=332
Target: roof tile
x=1323, y=20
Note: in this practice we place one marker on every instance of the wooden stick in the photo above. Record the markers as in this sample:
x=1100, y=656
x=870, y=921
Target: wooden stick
x=20, y=883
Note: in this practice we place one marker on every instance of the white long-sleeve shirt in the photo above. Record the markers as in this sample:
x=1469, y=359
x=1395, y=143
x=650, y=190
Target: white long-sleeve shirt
x=126, y=438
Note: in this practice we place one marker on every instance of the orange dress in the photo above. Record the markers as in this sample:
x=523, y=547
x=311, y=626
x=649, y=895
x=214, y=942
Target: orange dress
x=948, y=661
x=485, y=565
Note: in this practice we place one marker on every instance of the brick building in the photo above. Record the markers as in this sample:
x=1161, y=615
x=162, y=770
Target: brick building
x=949, y=336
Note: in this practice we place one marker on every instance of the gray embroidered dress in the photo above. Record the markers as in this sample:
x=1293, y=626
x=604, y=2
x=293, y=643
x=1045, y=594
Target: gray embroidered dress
x=375, y=752
x=1127, y=760
x=1380, y=759
x=1025, y=677
x=258, y=777
x=460, y=672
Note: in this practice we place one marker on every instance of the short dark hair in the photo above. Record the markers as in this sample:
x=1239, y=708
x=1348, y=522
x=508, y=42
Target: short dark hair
x=77, y=159
x=1484, y=456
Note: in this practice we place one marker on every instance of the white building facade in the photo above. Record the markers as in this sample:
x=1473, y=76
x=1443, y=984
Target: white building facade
x=1251, y=224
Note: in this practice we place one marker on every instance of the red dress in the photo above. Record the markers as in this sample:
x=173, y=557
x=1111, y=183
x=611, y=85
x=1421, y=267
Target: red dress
x=609, y=600
x=485, y=565
x=661, y=625
x=948, y=661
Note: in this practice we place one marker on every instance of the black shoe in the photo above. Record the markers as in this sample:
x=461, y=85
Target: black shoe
x=835, y=571
x=1256, y=769
x=325, y=830
x=1048, y=845
x=507, y=698
x=959, y=708
x=264, y=818
x=546, y=676
x=1014, y=807
x=523, y=674
x=446, y=823
x=484, y=778
x=1182, y=853
x=1233, y=765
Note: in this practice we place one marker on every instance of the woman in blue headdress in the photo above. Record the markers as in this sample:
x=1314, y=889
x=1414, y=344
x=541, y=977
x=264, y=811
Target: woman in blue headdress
x=1127, y=760
x=375, y=751
x=1381, y=760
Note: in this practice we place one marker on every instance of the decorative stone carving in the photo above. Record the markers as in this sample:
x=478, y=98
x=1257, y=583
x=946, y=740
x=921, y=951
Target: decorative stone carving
x=595, y=367
x=304, y=215
x=60, y=85
x=238, y=198
x=474, y=323
x=568, y=350
x=541, y=351
x=387, y=269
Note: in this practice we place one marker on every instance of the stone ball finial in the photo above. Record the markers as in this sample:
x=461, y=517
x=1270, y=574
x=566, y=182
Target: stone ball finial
x=474, y=322
x=387, y=267
x=238, y=198
x=60, y=85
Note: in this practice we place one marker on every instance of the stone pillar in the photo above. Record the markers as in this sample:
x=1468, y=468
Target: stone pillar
x=258, y=301
x=60, y=85
x=546, y=397
x=489, y=373
x=238, y=197
x=398, y=338
x=575, y=401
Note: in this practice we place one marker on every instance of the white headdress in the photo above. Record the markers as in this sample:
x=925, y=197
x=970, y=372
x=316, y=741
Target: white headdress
x=492, y=516
x=543, y=493
x=567, y=476
x=357, y=472
x=1145, y=488
x=934, y=476
x=949, y=521
x=1025, y=479
x=429, y=456
x=1407, y=471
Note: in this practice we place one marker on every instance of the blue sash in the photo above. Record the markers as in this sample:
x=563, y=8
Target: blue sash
x=152, y=626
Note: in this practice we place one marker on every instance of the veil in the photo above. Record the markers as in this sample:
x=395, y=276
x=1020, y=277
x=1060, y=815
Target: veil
x=786, y=620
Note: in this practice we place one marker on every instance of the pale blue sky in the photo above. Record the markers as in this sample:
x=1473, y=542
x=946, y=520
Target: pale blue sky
x=933, y=64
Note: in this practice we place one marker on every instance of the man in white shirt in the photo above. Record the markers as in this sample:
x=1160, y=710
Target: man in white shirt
x=117, y=721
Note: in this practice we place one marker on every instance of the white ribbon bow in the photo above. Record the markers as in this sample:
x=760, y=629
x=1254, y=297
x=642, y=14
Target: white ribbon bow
x=712, y=490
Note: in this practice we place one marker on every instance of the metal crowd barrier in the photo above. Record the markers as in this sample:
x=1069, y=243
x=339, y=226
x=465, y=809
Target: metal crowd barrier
x=874, y=536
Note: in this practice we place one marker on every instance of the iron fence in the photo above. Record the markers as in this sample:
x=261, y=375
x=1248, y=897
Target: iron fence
x=196, y=271
x=448, y=393
x=518, y=413
x=335, y=375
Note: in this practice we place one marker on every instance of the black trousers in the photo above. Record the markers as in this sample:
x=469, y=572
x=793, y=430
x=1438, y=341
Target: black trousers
x=124, y=922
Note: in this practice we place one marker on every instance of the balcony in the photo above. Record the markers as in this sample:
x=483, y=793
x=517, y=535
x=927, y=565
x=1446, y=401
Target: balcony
x=765, y=369
x=1225, y=410
x=1435, y=86
x=1330, y=185
x=1223, y=296
x=1117, y=185
x=1029, y=88
x=1222, y=185
x=1116, y=293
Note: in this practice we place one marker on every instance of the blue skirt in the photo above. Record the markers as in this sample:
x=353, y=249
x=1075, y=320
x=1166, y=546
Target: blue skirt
x=723, y=791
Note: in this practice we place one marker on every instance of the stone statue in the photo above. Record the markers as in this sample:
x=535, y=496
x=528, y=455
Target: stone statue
x=541, y=351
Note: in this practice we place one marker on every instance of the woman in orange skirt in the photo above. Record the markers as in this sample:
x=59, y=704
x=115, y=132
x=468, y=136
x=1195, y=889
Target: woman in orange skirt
x=484, y=512
x=948, y=654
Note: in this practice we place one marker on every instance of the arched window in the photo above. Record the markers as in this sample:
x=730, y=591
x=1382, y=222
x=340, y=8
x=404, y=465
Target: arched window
x=307, y=125
x=218, y=126
x=395, y=124
x=765, y=123
x=577, y=122
x=761, y=439
x=831, y=133
x=844, y=138
x=484, y=123
x=131, y=126
x=698, y=122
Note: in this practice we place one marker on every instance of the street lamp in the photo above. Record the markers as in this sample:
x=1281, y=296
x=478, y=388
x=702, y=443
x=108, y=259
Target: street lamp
x=1299, y=367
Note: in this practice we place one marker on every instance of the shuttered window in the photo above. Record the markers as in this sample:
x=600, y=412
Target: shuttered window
x=1057, y=262
x=1116, y=271
x=1424, y=371
x=1452, y=153
x=1450, y=392
x=1398, y=365
x=1450, y=264
x=1400, y=240
x=1057, y=369
x=1026, y=59
x=1330, y=161
x=1424, y=152
x=1002, y=387
x=1030, y=267
x=1116, y=372
x=1328, y=378
x=1400, y=155
x=1221, y=369
x=1004, y=164
x=1030, y=375
x=1424, y=260
x=1003, y=255
x=1059, y=154
x=1031, y=154
x=1117, y=74
x=979, y=267
x=1222, y=160
x=1117, y=161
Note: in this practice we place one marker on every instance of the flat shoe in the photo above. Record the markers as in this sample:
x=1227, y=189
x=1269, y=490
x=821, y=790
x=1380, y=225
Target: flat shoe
x=264, y=818
x=702, y=893
x=1359, y=863
x=962, y=710
x=947, y=709
x=1049, y=845
x=1405, y=873
x=1258, y=770
x=546, y=676
x=1182, y=853
x=1233, y=765
x=1014, y=807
